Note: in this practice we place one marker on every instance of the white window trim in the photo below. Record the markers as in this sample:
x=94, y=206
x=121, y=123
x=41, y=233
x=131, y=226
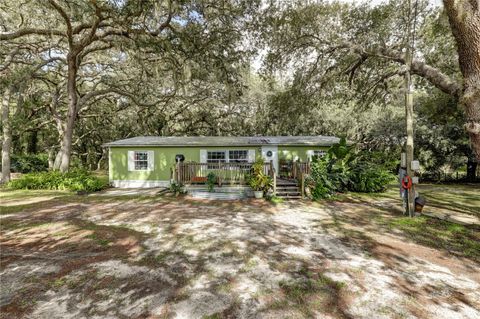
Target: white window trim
x=227, y=155
x=150, y=161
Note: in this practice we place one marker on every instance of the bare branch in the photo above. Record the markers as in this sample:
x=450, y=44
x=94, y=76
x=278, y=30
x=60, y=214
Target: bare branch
x=65, y=17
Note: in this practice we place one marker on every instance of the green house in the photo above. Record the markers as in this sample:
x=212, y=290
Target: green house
x=154, y=161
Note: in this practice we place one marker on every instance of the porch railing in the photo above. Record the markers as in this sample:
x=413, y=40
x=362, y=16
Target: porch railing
x=225, y=173
x=299, y=169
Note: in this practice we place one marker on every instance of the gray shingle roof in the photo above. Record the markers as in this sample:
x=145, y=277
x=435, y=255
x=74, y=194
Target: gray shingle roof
x=225, y=141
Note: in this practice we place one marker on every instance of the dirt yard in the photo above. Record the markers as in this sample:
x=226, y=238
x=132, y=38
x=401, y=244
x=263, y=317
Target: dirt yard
x=151, y=256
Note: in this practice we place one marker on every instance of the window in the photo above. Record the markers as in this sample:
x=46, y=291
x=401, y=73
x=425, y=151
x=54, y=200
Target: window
x=319, y=153
x=238, y=156
x=215, y=157
x=233, y=156
x=140, y=161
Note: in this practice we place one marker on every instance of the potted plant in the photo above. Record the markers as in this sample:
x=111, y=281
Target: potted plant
x=258, y=180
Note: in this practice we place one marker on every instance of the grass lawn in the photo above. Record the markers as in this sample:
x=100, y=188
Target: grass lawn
x=455, y=238
x=156, y=256
x=461, y=198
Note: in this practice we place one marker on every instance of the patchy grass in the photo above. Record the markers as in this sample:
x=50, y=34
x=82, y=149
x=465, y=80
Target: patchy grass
x=296, y=259
x=458, y=239
x=311, y=292
x=276, y=200
x=15, y=201
x=21, y=194
x=461, y=198
x=99, y=240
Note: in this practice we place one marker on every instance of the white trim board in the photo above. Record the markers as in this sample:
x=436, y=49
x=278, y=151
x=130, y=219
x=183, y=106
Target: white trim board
x=139, y=183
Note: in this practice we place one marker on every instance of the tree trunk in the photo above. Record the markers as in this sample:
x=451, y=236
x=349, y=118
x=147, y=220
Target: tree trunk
x=51, y=158
x=464, y=18
x=62, y=161
x=7, y=136
x=100, y=160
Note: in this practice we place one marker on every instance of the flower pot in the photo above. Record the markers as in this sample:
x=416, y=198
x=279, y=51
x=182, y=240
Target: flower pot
x=258, y=194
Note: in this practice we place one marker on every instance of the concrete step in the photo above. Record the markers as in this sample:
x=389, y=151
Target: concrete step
x=217, y=195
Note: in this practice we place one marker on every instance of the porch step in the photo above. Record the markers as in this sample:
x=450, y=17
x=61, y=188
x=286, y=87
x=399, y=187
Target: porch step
x=287, y=183
x=288, y=189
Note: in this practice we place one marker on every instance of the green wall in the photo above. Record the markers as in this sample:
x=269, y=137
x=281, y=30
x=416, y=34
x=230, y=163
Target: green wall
x=296, y=152
x=164, y=159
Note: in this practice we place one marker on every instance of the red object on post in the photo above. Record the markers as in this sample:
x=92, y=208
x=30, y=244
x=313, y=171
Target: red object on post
x=407, y=182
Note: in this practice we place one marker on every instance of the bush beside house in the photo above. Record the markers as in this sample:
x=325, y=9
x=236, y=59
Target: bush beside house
x=29, y=163
x=75, y=180
x=343, y=169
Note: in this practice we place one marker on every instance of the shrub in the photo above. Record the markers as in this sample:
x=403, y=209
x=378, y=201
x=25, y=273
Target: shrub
x=369, y=178
x=342, y=169
x=320, y=181
x=177, y=188
x=76, y=180
x=211, y=179
x=29, y=163
x=258, y=180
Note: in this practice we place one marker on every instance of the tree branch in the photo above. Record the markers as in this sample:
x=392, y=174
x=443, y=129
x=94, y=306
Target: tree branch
x=65, y=17
x=420, y=68
x=30, y=31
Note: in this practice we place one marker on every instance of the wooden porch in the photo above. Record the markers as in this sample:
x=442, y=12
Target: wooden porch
x=288, y=177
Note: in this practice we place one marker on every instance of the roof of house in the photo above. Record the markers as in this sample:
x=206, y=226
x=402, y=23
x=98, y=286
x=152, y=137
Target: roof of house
x=225, y=141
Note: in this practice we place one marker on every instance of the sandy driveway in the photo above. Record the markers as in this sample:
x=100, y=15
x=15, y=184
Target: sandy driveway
x=157, y=257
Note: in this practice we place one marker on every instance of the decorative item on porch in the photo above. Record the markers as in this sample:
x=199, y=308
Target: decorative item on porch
x=258, y=180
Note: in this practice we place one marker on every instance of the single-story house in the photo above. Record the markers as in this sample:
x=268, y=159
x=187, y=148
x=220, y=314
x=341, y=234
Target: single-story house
x=150, y=161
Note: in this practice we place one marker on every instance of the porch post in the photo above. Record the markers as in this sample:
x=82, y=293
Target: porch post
x=274, y=177
x=178, y=172
x=302, y=185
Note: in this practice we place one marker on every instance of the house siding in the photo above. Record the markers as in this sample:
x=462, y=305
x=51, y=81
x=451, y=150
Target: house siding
x=164, y=160
x=297, y=152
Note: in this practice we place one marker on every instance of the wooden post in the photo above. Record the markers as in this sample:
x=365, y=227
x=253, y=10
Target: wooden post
x=220, y=172
x=274, y=177
x=274, y=185
x=409, y=112
x=302, y=185
x=178, y=172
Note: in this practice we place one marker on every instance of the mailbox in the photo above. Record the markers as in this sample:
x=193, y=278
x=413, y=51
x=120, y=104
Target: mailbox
x=415, y=165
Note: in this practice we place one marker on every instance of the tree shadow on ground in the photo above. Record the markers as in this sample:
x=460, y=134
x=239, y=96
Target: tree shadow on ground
x=167, y=250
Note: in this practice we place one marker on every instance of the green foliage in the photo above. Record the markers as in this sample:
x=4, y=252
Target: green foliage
x=258, y=180
x=29, y=163
x=211, y=180
x=343, y=169
x=366, y=177
x=176, y=188
x=320, y=180
x=75, y=180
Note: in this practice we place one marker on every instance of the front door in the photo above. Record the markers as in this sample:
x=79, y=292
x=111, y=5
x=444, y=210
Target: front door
x=269, y=154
